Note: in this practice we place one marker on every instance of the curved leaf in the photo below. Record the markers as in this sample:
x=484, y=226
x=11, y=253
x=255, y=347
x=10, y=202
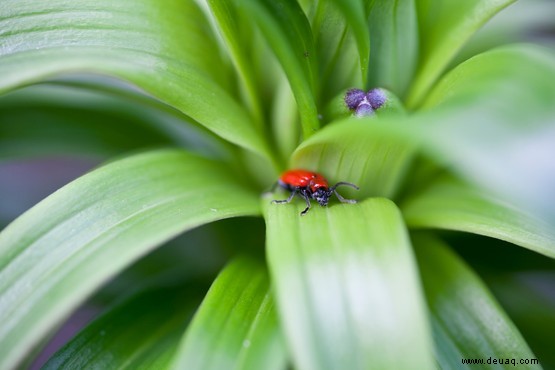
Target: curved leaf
x=444, y=27
x=232, y=31
x=346, y=287
x=56, y=254
x=336, y=45
x=523, y=21
x=526, y=297
x=355, y=14
x=467, y=319
x=288, y=32
x=165, y=50
x=491, y=118
x=57, y=119
x=450, y=204
x=286, y=128
x=394, y=39
x=520, y=72
x=236, y=326
x=359, y=151
x=139, y=333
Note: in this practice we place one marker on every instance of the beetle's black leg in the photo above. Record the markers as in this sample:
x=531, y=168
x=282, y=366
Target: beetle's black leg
x=341, y=199
x=293, y=192
x=307, y=199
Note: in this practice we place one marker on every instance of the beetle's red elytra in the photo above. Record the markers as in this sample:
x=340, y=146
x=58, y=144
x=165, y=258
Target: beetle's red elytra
x=309, y=185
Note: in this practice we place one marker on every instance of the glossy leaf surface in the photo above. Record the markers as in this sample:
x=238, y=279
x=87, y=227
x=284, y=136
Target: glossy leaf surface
x=140, y=42
x=57, y=253
x=288, y=32
x=347, y=287
x=139, y=333
x=355, y=14
x=479, y=121
x=451, y=205
x=66, y=119
x=393, y=30
x=236, y=326
x=358, y=151
x=444, y=27
x=468, y=321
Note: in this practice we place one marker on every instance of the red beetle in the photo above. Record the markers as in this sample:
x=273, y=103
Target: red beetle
x=308, y=185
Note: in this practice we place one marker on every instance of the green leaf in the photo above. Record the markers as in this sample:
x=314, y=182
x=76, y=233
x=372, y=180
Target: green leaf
x=519, y=72
x=526, y=297
x=232, y=31
x=452, y=205
x=357, y=150
x=444, y=28
x=288, y=32
x=60, y=119
x=523, y=21
x=236, y=326
x=346, y=287
x=468, y=321
x=336, y=47
x=167, y=51
x=355, y=14
x=139, y=333
x=57, y=253
x=394, y=39
x=286, y=128
x=491, y=119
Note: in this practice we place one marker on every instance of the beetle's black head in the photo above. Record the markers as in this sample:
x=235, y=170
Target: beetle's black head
x=322, y=195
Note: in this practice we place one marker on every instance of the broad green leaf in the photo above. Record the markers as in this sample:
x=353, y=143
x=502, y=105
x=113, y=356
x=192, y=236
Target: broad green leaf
x=236, y=325
x=526, y=297
x=54, y=119
x=496, y=132
x=452, y=205
x=286, y=128
x=166, y=50
x=358, y=151
x=491, y=119
x=355, y=14
x=288, y=32
x=335, y=47
x=57, y=253
x=520, y=71
x=468, y=321
x=232, y=30
x=394, y=39
x=139, y=333
x=183, y=129
x=444, y=27
x=330, y=33
x=346, y=286
x=523, y=21
x=329, y=28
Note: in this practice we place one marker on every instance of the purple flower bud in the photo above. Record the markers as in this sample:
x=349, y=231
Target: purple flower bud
x=364, y=110
x=354, y=97
x=376, y=98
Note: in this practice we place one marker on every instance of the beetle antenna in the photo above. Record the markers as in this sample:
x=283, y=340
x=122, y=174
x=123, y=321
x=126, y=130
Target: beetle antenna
x=332, y=189
x=341, y=199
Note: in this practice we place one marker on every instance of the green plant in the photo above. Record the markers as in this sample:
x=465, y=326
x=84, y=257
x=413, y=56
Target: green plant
x=241, y=91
